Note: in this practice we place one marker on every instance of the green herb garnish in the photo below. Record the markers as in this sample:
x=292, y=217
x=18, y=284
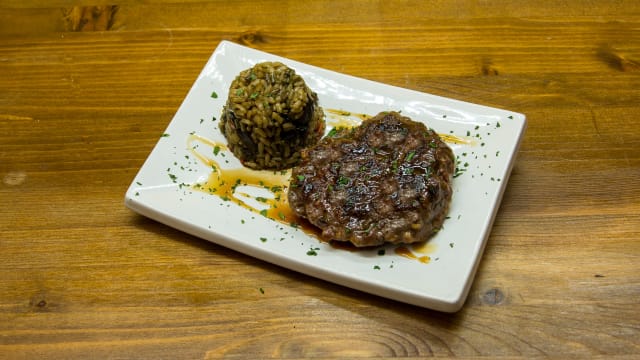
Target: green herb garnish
x=343, y=180
x=394, y=166
x=332, y=132
x=410, y=156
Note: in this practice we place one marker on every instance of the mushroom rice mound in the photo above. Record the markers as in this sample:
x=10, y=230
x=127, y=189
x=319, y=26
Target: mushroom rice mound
x=270, y=116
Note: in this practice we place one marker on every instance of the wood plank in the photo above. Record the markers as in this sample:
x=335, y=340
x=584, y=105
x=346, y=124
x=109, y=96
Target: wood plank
x=87, y=88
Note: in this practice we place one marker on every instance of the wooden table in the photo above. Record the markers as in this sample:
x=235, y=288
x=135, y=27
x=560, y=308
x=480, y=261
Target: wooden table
x=86, y=91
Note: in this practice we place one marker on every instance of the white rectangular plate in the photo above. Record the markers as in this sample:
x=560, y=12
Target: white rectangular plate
x=163, y=188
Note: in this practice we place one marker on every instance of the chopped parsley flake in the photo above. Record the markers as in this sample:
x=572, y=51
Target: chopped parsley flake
x=459, y=172
x=410, y=156
x=343, y=180
x=214, y=95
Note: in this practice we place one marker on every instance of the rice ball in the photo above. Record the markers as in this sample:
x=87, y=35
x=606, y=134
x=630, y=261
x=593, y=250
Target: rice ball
x=270, y=116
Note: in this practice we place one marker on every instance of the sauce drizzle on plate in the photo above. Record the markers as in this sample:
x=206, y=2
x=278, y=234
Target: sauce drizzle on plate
x=260, y=191
x=407, y=253
x=242, y=185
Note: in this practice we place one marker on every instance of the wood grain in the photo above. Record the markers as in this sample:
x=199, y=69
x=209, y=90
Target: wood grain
x=88, y=87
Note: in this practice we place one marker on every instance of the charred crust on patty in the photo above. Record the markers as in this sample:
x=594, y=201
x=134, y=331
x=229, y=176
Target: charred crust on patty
x=387, y=180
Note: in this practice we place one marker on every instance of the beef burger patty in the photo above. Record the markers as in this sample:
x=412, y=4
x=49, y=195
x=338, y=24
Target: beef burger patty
x=387, y=180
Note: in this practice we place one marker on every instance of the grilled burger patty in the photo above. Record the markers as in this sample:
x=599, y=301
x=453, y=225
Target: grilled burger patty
x=387, y=180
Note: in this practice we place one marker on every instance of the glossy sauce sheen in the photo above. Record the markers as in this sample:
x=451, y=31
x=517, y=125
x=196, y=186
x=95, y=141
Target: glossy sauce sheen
x=343, y=114
x=407, y=253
